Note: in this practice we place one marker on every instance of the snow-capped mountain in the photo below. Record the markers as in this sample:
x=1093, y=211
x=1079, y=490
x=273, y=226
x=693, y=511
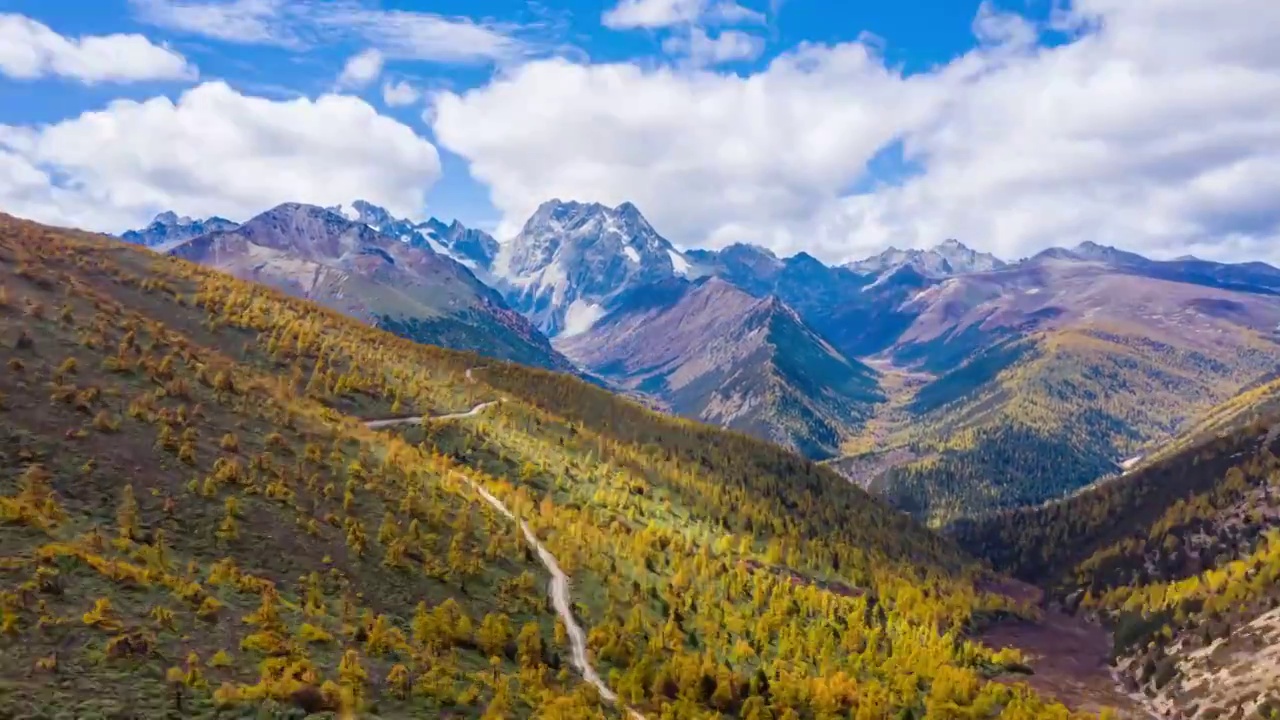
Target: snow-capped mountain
x=403, y=286
x=169, y=228
x=951, y=257
x=572, y=259
x=473, y=248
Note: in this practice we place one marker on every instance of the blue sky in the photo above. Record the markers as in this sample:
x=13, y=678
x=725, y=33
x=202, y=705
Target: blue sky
x=914, y=35
x=837, y=128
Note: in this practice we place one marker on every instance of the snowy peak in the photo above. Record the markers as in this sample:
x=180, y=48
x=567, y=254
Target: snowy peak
x=168, y=228
x=473, y=248
x=571, y=259
x=950, y=257
x=963, y=260
x=379, y=219
x=557, y=223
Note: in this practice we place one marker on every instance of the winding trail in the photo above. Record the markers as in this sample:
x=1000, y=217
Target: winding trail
x=421, y=419
x=559, y=588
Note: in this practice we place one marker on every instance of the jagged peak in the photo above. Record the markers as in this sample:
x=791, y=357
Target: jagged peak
x=741, y=248
x=303, y=208
x=804, y=258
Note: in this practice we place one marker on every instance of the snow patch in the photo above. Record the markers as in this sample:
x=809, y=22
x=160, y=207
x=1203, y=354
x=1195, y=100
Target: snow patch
x=436, y=247
x=678, y=263
x=349, y=213
x=1032, y=291
x=580, y=316
x=632, y=254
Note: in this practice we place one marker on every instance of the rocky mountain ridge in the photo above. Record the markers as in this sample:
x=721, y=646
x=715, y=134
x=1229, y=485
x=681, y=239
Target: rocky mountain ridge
x=951, y=257
x=717, y=353
x=401, y=285
x=168, y=227
x=955, y=337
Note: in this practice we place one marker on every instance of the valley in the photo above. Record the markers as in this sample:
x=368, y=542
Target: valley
x=165, y=423
x=949, y=390
x=946, y=380
x=639, y=360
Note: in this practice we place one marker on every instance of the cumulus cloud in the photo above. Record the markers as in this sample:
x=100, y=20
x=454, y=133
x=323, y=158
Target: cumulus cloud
x=1152, y=127
x=362, y=69
x=31, y=50
x=213, y=151
x=300, y=25
x=400, y=93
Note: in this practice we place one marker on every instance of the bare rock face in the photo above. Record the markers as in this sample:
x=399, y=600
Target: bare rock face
x=571, y=260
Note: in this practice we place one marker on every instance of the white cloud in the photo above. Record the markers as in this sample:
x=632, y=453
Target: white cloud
x=31, y=50
x=214, y=151
x=702, y=50
x=396, y=33
x=244, y=21
x=1153, y=128
x=651, y=14
x=362, y=69
x=400, y=93
x=423, y=36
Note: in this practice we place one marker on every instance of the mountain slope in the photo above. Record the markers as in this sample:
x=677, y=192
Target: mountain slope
x=1038, y=379
x=1181, y=555
x=714, y=352
x=858, y=313
x=276, y=557
x=1252, y=277
x=405, y=287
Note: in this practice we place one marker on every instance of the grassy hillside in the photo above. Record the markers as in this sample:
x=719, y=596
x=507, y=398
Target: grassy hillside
x=1030, y=420
x=193, y=520
x=1181, y=556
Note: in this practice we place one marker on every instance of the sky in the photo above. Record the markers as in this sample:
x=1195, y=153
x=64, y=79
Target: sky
x=835, y=128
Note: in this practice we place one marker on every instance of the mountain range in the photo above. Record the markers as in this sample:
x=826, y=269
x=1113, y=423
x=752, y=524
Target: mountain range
x=412, y=286
x=220, y=499
x=946, y=379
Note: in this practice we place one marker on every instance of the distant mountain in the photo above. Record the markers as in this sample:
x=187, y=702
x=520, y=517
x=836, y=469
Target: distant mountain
x=856, y=312
x=474, y=248
x=169, y=228
x=947, y=380
x=571, y=260
x=1251, y=277
x=1023, y=384
x=471, y=247
x=951, y=257
x=715, y=352
x=400, y=285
